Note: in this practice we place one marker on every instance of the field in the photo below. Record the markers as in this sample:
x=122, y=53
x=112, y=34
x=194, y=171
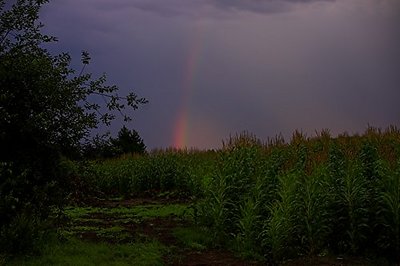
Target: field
x=309, y=201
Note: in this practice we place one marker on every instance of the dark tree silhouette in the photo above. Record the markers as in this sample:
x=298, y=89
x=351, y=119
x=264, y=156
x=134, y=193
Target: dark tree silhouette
x=45, y=112
x=129, y=141
x=104, y=146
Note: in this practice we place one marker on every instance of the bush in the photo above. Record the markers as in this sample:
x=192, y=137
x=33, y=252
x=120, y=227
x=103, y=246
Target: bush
x=24, y=205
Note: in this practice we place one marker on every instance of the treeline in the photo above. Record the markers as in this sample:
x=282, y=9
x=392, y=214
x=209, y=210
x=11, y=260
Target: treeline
x=105, y=146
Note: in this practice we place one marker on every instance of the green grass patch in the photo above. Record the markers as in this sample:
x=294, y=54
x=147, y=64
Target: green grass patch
x=75, y=252
x=80, y=228
x=114, y=232
x=142, y=212
x=151, y=211
x=193, y=237
x=80, y=212
x=107, y=223
x=89, y=220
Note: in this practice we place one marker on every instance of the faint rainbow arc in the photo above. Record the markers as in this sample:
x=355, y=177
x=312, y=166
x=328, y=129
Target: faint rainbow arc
x=181, y=129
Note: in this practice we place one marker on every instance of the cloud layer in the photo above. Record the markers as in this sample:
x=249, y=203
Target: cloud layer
x=255, y=67
x=171, y=8
x=261, y=6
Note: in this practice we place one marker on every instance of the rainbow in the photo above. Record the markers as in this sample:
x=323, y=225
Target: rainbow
x=191, y=62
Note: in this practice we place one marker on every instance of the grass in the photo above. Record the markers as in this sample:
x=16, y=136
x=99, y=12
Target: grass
x=112, y=224
x=76, y=252
x=107, y=224
x=115, y=232
x=139, y=212
x=193, y=237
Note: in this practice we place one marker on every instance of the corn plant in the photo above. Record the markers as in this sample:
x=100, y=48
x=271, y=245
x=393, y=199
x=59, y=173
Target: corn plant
x=354, y=199
x=246, y=238
x=214, y=212
x=249, y=222
x=390, y=213
x=313, y=211
x=280, y=228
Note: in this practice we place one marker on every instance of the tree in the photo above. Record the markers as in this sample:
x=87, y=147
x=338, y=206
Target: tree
x=45, y=112
x=105, y=146
x=129, y=141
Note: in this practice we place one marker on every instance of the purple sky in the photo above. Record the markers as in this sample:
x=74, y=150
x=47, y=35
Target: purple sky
x=224, y=66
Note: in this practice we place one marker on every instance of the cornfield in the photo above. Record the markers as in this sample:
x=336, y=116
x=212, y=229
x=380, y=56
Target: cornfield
x=278, y=199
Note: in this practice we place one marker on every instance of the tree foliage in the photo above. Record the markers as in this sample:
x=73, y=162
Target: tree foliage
x=46, y=109
x=105, y=146
x=41, y=93
x=129, y=141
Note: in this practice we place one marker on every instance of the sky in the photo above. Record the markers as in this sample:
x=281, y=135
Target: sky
x=214, y=68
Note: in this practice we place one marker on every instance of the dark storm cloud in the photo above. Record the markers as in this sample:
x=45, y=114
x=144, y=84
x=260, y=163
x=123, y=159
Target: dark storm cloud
x=260, y=6
x=159, y=7
x=325, y=64
x=171, y=8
